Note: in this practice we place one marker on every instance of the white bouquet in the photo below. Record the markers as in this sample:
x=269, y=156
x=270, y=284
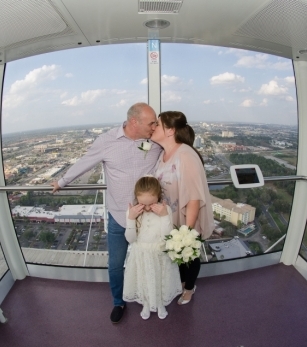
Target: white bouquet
x=183, y=244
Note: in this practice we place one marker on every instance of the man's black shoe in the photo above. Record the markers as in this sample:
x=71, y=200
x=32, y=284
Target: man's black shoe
x=117, y=314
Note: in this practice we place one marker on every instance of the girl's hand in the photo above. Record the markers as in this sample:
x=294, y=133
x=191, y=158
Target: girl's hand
x=135, y=211
x=159, y=209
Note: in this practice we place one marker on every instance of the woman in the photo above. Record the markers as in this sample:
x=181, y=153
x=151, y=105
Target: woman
x=181, y=173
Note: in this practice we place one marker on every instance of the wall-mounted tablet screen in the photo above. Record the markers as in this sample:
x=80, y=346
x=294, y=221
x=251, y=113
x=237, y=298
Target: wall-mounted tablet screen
x=246, y=176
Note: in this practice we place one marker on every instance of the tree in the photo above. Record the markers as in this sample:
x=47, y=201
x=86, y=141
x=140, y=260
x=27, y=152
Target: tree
x=46, y=236
x=28, y=234
x=239, y=224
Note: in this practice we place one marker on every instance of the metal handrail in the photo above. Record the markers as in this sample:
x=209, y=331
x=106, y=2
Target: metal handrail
x=104, y=186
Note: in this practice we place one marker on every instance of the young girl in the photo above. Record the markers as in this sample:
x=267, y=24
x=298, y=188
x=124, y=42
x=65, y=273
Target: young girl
x=151, y=279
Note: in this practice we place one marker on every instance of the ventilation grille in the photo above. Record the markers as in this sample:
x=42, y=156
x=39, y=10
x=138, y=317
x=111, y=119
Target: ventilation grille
x=46, y=49
x=282, y=22
x=36, y=20
x=254, y=48
x=159, y=6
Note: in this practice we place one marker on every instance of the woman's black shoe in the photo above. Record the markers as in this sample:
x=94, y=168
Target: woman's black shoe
x=117, y=314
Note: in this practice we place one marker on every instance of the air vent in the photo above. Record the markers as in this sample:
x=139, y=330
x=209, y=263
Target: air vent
x=281, y=21
x=160, y=6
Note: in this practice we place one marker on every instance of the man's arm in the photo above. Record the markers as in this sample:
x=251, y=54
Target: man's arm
x=91, y=158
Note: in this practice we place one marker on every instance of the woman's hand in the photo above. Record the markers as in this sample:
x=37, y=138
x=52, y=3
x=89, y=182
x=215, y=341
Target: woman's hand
x=135, y=211
x=159, y=209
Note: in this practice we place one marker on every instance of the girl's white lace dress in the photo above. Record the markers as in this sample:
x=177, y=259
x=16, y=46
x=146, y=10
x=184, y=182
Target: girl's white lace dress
x=150, y=276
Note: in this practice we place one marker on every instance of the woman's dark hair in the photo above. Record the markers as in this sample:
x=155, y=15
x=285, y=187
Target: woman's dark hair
x=184, y=133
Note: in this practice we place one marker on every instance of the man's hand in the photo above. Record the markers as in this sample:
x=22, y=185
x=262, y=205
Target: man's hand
x=159, y=209
x=56, y=187
x=135, y=211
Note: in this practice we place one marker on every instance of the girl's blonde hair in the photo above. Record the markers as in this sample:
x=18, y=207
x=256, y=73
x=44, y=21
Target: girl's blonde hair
x=148, y=184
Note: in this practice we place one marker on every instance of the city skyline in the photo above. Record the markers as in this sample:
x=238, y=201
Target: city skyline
x=94, y=85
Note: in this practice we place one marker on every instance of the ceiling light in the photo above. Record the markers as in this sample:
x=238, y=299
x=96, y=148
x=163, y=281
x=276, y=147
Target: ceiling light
x=157, y=23
x=302, y=51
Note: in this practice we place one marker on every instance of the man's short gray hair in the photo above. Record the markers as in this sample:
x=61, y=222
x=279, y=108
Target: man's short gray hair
x=135, y=110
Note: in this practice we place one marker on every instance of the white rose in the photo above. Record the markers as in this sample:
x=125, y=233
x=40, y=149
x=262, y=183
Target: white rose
x=174, y=232
x=196, y=244
x=187, y=252
x=194, y=233
x=169, y=244
x=177, y=238
x=186, y=259
x=178, y=255
x=184, y=229
x=188, y=240
x=146, y=146
x=177, y=246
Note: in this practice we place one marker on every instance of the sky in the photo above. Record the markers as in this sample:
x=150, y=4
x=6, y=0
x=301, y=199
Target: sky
x=97, y=85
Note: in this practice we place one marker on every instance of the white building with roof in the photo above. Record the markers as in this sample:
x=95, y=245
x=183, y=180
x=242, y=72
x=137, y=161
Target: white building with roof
x=66, y=214
x=234, y=248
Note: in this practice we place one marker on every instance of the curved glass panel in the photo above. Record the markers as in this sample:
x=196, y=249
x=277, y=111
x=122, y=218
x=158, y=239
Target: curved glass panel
x=3, y=264
x=242, y=106
x=303, y=249
x=54, y=107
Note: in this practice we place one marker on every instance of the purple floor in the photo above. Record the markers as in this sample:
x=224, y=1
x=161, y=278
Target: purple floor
x=263, y=307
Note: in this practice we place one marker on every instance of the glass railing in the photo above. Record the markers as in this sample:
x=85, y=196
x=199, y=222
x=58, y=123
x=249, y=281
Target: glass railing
x=65, y=229
x=68, y=228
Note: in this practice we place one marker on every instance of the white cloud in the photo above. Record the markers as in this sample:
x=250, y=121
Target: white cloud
x=245, y=90
x=272, y=88
x=235, y=51
x=144, y=81
x=289, y=98
x=35, y=77
x=21, y=90
x=169, y=96
x=118, y=91
x=256, y=61
x=122, y=103
x=169, y=80
x=207, y=102
x=289, y=79
x=226, y=78
x=69, y=75
x=281, y=65
x=264, y=102
x=261, y=61
x=90, y=96
x=247, y=103
x=63, y=95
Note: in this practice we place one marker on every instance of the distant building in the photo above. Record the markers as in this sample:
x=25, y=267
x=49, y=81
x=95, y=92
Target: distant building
x=227, y=134
x=197, y=142
x=233, y=212
x=66, y=214
x=52, y=172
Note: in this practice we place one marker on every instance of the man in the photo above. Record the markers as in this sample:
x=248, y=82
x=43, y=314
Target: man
x=124, y=163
